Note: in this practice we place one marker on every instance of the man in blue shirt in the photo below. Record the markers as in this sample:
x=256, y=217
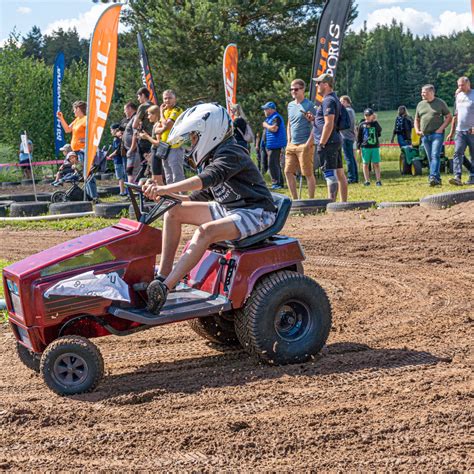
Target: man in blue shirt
x=300, y=148
x=328, y=139
x=24, y=158
x=275, y=135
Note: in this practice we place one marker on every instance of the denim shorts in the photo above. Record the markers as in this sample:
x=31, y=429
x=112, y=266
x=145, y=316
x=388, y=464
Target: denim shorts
x=120, y=171
x=248, y=221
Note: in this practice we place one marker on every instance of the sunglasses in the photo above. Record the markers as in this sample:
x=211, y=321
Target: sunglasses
x=295, y=89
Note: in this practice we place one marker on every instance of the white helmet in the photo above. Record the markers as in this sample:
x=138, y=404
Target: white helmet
x=210, y=122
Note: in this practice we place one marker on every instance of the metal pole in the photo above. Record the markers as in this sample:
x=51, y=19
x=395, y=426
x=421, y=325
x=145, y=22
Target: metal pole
x=31, y=166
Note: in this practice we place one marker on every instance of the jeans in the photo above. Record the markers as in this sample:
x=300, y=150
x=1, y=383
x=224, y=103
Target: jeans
x=173, y=166
x=91, y=184
x=433, y=144
x=463, y=140
x=348, y=149
x=402, y=141
x=273, y=157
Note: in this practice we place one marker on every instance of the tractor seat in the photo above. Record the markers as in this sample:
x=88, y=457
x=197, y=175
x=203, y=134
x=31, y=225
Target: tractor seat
x=283, y=205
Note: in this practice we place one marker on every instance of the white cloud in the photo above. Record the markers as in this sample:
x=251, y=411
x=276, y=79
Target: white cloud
x=23, y=10
x=421, y=23
x=390, y=2
x=84, y=23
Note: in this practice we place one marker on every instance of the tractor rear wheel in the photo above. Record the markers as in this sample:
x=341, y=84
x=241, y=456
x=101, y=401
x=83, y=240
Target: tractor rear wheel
x=286, y=319
x=72, y=365
x=217, y=329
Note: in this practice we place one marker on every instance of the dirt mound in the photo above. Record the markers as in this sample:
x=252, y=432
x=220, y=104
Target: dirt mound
x=390, y=391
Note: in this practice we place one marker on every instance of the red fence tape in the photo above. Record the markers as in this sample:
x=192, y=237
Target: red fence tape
x=34, y=163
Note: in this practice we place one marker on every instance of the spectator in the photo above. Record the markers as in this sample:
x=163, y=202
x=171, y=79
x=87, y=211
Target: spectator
x=431, y=118
x=142, y=124
x=130, y=145
x=348, y=139
x=66, y=167
x=78, y=139
x=368, y=143
x=24, y=158
x=173, y=165
x=119, y=157
x=327, y=138
x=463, y=126
x=275, y=134
x=260, y=148
x=155, y=162
x=402, y=128
x=241, y=133
x=300, y=149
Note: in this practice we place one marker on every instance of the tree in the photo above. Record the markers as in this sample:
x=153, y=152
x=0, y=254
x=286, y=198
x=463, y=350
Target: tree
x=33, y=43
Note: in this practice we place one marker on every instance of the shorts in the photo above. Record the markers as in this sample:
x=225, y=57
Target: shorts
x=370, y=155
x=120, y=169
x=156, y=163
x=133, y=163
x=25, y=165
x=299, y=157
x=330, y=157
x=248, y=221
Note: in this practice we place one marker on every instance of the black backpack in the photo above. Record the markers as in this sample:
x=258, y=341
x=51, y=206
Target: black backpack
x=343, y=121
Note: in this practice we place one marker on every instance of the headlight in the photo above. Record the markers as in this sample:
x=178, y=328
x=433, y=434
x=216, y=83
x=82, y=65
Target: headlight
x=15, y=298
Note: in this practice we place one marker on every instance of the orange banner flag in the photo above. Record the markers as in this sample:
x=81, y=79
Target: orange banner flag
x=231, y=58
x=100, y=88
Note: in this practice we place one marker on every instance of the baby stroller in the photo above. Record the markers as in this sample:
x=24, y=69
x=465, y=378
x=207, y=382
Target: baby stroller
x=75, y=192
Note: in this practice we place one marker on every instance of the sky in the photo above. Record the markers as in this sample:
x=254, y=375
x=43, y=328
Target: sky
x=436, y=17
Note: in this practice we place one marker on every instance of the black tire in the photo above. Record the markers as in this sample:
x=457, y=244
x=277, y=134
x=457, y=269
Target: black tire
x=416, y=168
x=9, y=184
x=286, y=319
x=29, y=358
x=18, y=197
x=104, y=191
x=27, y=209
x=111, y=210
x=384, y=205
x=405, y=168
x=26, y=182
x=71, y=365
x=44, y=197
x=443, y=200
x=216, y=329
x=3, y=211
x=70, y=207
x=6, y=203
x=106, y=176
x=59, y=196
x=349, y=206
x=309, y=206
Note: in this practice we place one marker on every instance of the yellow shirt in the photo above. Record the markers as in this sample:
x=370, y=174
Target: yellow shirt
x=78, y=140
x=172, y=114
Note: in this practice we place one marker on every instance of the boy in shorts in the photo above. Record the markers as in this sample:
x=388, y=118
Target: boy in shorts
x=368, y=144
x=229, y=199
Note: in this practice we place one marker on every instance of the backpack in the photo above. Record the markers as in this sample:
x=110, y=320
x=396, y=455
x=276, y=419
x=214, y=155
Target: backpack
x=343, y=121
x=249, y=137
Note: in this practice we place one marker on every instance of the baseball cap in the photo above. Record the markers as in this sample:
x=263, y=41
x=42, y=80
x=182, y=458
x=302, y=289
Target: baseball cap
x=66, y=147
x=368, y=111
x=326, y=78
x=269, y=105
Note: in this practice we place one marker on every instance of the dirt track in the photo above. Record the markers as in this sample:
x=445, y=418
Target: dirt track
x=391, y=391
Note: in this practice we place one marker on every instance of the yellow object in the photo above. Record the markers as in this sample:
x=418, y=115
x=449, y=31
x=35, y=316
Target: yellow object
x=78, y=140
x=172, y=114
x=415, y=138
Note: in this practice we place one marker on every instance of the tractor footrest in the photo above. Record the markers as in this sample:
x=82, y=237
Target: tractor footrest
x=184, y=303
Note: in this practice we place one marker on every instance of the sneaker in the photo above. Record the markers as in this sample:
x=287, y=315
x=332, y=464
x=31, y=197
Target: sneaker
x=378, y=183
x=276, y=186
x=367, y=183
x=432, y=182
x=157, y=293
x=456, y=181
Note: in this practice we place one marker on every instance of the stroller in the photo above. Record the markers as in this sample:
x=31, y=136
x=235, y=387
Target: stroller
x=75, y=192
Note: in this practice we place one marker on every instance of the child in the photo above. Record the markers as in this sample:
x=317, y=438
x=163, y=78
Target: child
x=65, y=168
x=120, y=159
x=368, y=143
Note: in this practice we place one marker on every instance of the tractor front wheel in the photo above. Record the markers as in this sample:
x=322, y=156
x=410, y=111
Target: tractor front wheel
x=286, y=320
x=405, y=168
x=416, y=168
x=72, y=365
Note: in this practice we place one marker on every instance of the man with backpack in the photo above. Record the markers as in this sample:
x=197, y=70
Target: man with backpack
x=331, y=117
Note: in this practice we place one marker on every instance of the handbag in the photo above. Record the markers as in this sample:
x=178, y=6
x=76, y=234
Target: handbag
x=162, y=150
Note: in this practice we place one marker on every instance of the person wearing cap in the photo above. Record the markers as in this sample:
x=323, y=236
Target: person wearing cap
x=368, y=144
x=300, y=149
x=327, y=138
x=119, y=155
x=66, y=166
x=275, y=136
